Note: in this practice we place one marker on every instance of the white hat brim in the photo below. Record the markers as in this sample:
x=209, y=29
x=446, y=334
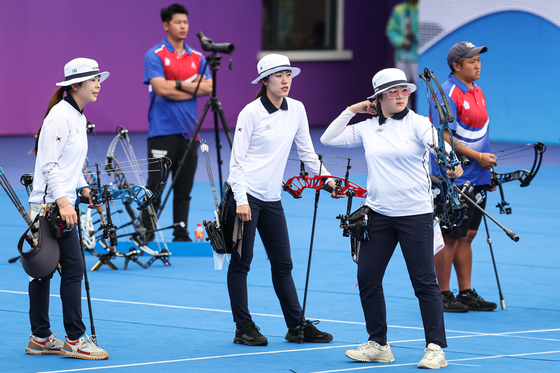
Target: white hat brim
x=295, y=72
x=104, y=75
x=411, y=86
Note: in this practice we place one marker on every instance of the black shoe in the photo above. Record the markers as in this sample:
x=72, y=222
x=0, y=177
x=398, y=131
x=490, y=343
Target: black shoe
x=182, y=239
x=450, y=304
x=310, y=334
x=474, y=301
x=249, y=335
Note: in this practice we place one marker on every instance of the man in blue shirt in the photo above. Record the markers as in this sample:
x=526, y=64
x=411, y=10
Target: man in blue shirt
x=173, y=71
x=472, y=139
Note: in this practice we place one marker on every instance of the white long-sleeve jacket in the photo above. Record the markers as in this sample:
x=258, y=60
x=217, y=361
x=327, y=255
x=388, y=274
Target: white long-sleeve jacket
x=61, y=155
x=262, y=143
x=397, y=155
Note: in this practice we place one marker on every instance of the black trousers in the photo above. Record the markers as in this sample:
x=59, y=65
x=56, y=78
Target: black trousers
x=70, y=292
x=269, y=219
x=415, y=235
x=173, y=147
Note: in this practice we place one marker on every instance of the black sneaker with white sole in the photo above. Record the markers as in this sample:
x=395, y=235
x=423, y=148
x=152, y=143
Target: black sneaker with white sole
x=250, y=335
x=310, y=334
x=474, y=301
x=450, y=304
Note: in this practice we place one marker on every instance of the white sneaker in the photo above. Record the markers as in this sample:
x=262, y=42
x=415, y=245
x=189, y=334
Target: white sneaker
x=83, y=348
x=51, y=346
x=434, y=358
x=372, y=352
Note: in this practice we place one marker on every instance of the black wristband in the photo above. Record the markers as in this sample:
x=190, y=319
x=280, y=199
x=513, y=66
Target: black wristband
x=178, y=83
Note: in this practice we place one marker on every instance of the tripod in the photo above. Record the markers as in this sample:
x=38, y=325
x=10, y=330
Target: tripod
x=214, y=61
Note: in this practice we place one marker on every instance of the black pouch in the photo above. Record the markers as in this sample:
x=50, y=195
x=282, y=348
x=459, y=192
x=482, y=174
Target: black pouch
x=356, y=226
x=220, y=232
x=58, y=226
x=358, y=223
x=43, y=257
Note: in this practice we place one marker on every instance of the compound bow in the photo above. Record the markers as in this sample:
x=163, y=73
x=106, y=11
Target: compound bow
x=453, y=208
x=523, y=176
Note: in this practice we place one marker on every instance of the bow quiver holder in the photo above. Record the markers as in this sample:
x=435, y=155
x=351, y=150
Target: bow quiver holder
x=218, y=232
x=355, y=225
x=42, y=260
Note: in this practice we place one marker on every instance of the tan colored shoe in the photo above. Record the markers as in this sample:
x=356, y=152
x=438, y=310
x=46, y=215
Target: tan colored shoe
x=51, y=346
x=84, y=348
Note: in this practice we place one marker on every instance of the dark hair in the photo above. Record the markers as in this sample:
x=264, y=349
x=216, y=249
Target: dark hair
x=57, y=96
x=459, y=62
x=377, y=103
x=263, y=87
x=167, y=13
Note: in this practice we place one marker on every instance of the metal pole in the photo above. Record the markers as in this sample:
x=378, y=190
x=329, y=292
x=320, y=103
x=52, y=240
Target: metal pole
x=489, y=240
x=86, y=281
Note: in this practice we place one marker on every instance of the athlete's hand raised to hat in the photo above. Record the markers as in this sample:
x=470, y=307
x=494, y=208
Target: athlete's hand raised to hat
x=364, y=107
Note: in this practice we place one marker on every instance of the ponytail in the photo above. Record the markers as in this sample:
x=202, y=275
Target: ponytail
x=55, y=99
x=262, y=92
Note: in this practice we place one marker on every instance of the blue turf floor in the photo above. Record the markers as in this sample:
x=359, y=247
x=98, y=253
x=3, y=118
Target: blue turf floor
x=177, y=318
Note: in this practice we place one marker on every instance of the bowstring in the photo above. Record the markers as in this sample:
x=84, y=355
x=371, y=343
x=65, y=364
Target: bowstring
x=302, y=152
x=356, y=168
x=303, y=156
x=131, y=157
x=509, y=153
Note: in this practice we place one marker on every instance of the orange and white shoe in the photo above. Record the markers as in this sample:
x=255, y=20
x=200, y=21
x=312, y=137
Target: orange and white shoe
x=83, y=348
x=50, y=346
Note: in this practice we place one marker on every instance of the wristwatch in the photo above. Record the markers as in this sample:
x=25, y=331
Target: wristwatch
x=178, y=83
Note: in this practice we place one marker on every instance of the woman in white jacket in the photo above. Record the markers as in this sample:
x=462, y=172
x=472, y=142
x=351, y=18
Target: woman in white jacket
x=61, y=148
x=396, y=142
x=265, y=131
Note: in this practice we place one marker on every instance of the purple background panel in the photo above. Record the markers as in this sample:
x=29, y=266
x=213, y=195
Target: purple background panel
x=37, y=38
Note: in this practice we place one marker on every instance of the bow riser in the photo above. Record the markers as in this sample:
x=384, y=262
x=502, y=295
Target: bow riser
x=297, y=184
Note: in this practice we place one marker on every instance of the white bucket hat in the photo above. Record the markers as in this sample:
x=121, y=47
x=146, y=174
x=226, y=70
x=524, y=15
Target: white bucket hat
x=389, y=78
x=272, y=63
x=79, y=70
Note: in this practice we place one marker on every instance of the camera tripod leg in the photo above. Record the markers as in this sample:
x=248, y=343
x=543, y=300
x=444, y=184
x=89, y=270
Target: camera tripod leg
x=219, y=112
x=182, y=162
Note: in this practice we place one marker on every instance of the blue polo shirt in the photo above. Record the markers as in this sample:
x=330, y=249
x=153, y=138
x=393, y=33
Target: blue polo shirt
x=471, y=126
x=168, y=117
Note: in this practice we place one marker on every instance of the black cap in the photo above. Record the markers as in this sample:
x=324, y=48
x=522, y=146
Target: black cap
x=464, y=49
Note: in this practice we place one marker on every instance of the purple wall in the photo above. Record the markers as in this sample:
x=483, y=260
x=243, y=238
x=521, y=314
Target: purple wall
x=37, y=38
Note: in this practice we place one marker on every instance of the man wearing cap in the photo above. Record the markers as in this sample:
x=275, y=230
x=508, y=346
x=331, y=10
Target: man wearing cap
x=471, y=134
x=265, y=131
x=174, y=71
